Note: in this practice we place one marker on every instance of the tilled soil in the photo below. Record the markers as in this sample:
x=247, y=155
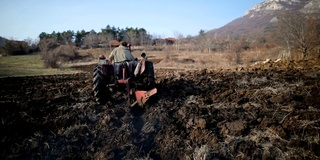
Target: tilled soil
x=267, y=111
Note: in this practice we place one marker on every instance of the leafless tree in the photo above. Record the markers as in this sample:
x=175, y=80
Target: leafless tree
x=144, y=38
x=109, y=37
x=91, y=39
x=237, y=47
x=191, y=43
x=201, y=40
x=132, y=37
x=50, y=58
x=179, y=38
x=206, y=41
x=102, y=39
x=210, y=42
x=298, y=31
x=31, y=41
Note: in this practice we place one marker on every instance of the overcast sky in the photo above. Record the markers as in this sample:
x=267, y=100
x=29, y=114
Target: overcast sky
x=22, y=19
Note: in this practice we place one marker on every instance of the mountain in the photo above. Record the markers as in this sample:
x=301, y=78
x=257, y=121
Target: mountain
x=261, y=17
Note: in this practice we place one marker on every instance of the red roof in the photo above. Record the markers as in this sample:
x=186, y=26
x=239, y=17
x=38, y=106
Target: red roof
x=170, y=39
x=114, y=43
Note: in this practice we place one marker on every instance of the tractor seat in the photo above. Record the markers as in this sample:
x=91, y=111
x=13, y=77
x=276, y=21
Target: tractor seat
x=130, y=66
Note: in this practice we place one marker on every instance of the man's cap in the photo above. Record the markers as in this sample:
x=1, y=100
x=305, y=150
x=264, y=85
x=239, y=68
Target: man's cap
x=124, y=43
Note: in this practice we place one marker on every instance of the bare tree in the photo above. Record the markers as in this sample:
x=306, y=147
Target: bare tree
x=144, y=38
x=132, y=37
x=31, y=41
x=91, y=39
x=206, y=41
x=237, y=47
x=179, y=37
x=201, y=40
x=190, y=42
x=210, y=42
x=109, y=37
x=298, y=31
x=50, y=58
x=102, y=38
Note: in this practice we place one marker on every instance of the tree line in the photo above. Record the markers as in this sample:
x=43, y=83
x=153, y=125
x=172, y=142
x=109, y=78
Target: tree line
x=136, y=36
x=82, y=38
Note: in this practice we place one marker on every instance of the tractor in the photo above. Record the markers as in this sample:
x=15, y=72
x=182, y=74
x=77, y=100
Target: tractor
x=133, y=78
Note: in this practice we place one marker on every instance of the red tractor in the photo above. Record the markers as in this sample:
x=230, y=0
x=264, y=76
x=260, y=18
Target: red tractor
x=135, y=78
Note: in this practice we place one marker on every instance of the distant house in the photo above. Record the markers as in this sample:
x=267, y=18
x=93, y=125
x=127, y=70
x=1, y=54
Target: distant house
x=158, y=41
x=114, y=43
x=166, y=41
x=170, y=41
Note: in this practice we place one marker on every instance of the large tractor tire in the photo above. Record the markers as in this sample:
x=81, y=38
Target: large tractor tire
x=99, y=86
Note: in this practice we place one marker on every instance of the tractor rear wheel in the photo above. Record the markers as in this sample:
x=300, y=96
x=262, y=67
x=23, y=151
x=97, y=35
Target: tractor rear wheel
x=99, y=85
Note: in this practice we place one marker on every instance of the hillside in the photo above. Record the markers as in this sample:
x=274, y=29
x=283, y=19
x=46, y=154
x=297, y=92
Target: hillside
x=262, y=16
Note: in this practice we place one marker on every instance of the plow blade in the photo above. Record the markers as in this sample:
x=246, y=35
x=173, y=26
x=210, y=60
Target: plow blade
x=143, y=96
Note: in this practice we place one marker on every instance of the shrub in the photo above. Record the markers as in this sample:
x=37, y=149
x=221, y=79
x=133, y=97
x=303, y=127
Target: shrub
x=11, y=47
x=66, y=53
x=50, y=59
x=54, y=54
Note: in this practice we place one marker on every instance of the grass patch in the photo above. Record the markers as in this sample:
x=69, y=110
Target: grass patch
x=27, y=65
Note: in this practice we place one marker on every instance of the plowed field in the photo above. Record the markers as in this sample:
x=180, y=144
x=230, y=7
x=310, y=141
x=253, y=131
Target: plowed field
x=267, y=111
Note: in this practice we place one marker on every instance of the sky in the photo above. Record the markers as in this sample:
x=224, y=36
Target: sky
x=26, y=19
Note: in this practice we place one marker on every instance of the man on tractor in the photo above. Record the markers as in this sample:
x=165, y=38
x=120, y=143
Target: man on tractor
x=121, y=56
x=121, y=53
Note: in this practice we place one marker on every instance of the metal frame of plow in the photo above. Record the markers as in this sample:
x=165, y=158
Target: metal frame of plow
x=143, y=96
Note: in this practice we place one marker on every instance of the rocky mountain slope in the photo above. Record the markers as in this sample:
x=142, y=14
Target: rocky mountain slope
x=261, y=17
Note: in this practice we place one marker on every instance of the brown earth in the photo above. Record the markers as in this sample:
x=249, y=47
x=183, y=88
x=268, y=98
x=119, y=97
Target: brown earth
x=267, y=111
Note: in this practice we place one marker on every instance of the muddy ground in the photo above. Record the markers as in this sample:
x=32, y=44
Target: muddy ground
x=267, y=111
